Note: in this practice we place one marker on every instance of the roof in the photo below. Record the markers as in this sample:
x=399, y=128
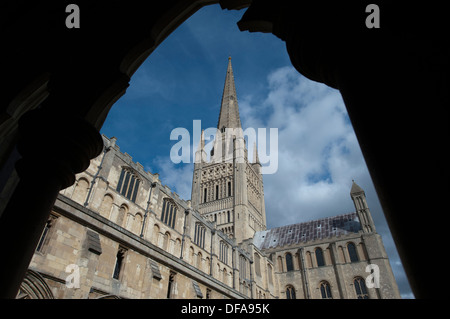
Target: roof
x=308, y=231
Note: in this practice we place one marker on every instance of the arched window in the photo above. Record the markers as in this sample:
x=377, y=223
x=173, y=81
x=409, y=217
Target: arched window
x=81, y=190
x=360, y=288
x=45, y=236
x=352, y=252
x=289, y=262
x=119, y=262
x=169, y=212
x=199, y=261
x=166, y=240
x=223, y=254
x=199, y=235
x=191, y=255
x=128, y=184
x=325, y=290
x=242, y=267
x=280, y=264
x=319, y=257
x=123, y=210
x=137, y=224
x=290, y=292
x=257, y=262
x=106, y=205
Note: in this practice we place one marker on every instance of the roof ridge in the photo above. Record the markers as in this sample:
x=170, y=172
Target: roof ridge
x=313, y=220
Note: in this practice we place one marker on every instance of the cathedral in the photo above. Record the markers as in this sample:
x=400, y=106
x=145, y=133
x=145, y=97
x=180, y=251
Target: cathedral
x=119, y=232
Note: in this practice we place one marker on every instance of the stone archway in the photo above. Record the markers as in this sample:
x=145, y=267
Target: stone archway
x=34, y=287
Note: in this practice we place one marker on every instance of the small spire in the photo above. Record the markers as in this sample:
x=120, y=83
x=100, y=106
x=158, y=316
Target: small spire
x=200, y=154
x=201, y=144
x=255, y=155
x=356, y=189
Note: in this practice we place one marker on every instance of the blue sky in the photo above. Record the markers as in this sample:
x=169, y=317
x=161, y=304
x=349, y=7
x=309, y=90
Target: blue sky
x=182, y=81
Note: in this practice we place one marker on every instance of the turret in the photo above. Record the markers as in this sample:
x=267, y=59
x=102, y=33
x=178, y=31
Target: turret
x=362, y=209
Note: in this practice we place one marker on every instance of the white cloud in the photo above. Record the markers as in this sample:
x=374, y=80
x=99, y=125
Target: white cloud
x=318, y=151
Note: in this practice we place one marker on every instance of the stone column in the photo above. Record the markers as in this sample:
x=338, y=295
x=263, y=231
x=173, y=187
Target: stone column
x=340, y=278
x=54, y=147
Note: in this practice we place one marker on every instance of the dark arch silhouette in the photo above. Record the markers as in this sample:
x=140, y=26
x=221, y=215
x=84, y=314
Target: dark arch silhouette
x=60, y=83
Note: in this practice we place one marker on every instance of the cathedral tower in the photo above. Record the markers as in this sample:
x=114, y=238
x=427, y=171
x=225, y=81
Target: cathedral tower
x=228, y=189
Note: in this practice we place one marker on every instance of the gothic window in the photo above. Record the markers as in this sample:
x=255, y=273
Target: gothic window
x=119, y=262
x=45, y=236
x=169, y=213
x=269, y=271
x=325, y=290
x=229, y=189
x=289, y=262
x=352, y=252
x=257, y=261
x=128, y=184
x=360, y=288
x=242, y=267
x=170, y=285
x=290, y=292
x=223, y=252
x=228, y=216
x=319, y=257
x=199, y=235
x=204, y=195
x=217, y=192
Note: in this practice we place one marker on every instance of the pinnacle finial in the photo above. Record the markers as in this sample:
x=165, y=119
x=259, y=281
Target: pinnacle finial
x=356, y=188
x=255, y=154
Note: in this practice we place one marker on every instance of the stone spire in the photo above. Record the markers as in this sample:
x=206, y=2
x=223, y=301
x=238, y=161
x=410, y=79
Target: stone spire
x=362, y=209
x=229, y=109
x=356, y=189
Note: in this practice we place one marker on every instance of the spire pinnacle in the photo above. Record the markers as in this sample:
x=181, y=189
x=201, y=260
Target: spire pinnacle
x=255, y=155
x=229, y=109
x=356, y=189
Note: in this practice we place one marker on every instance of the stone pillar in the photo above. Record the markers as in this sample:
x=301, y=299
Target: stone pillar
x=54, y=147
x=340, y=278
